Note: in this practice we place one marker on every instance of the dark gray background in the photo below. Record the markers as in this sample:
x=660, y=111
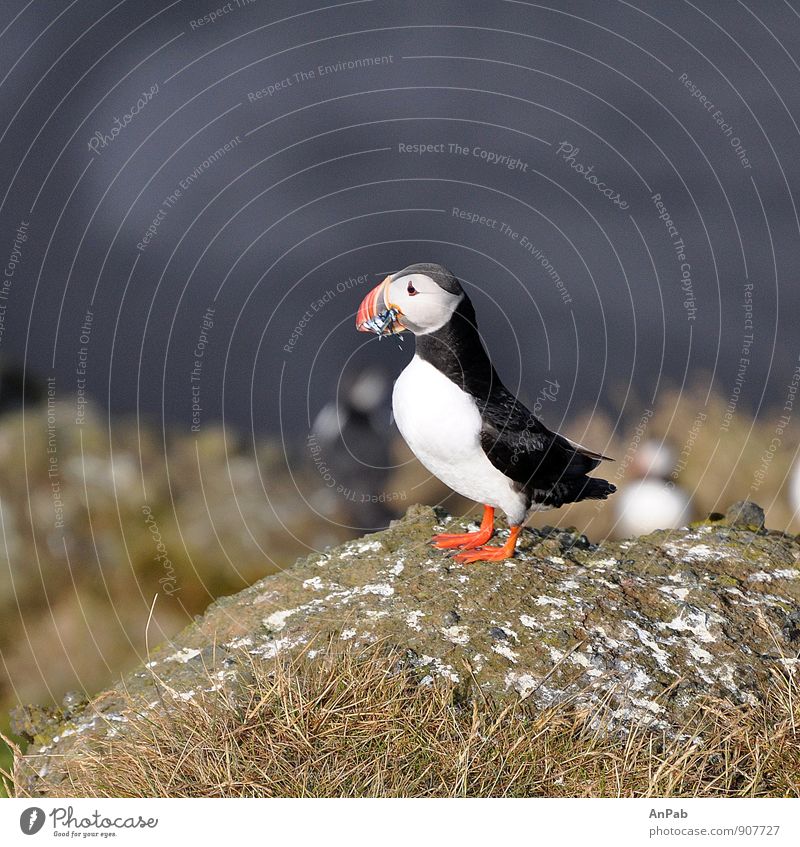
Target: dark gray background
x=310, y=198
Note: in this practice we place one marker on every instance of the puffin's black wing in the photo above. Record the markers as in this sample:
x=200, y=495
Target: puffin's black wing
x=551, y=469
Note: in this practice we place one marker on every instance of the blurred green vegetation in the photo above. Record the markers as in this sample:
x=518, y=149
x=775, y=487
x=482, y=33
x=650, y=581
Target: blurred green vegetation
x=97, y=521
x=6, y=756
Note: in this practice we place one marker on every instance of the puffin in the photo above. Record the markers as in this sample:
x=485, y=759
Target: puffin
x=352, y=432
x=18, y=388
x=794, y=492
x=462, y=423
x=652, y=500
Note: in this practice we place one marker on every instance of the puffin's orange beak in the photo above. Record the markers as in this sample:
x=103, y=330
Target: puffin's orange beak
x=376, y=314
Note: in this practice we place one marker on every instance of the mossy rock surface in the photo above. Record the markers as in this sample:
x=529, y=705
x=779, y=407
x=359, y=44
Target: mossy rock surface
x=649, y=624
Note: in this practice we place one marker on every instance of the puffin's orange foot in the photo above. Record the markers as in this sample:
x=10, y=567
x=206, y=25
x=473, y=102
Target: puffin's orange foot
x=465, y=541
x=491, y=554
x=484, y=554
x=468, y=540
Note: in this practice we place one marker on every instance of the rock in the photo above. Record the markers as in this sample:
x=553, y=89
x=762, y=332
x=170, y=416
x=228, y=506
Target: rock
x=745, y=513
x=649, y=625
x=73, y=702
x=31, y=721
x=791, y=627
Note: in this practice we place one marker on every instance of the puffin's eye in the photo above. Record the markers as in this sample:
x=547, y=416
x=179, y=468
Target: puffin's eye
x=411, y=290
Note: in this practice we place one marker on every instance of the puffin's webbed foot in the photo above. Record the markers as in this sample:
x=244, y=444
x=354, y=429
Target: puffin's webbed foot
x=491, y=554
x=464, y=542
x=468, y=540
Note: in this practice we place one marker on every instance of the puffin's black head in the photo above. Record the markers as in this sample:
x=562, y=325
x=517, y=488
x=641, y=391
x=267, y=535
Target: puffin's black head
x=421, y=298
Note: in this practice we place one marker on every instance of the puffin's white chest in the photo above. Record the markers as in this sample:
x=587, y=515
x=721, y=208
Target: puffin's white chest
x=441, y=424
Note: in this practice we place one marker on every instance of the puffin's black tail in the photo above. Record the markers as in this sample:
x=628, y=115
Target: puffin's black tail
x=596, y=489
x=583, y=488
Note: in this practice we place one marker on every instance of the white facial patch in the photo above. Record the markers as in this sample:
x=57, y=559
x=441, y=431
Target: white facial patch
x=424, y=305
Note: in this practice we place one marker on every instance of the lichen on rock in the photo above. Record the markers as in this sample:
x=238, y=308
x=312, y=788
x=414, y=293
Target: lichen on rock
x=648, y=625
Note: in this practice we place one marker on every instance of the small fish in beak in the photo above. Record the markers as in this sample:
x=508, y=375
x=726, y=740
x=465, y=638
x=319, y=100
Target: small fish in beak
x=382, y=324
x=378, y=316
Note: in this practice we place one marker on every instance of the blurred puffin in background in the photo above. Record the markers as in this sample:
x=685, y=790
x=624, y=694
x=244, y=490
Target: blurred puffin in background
x=794, y=491
x=18, y=388
x=351, y=432
x=652, y=500
x=462, y=423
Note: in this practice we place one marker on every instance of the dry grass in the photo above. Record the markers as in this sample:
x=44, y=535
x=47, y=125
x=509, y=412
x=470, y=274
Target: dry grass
x=350, y=726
